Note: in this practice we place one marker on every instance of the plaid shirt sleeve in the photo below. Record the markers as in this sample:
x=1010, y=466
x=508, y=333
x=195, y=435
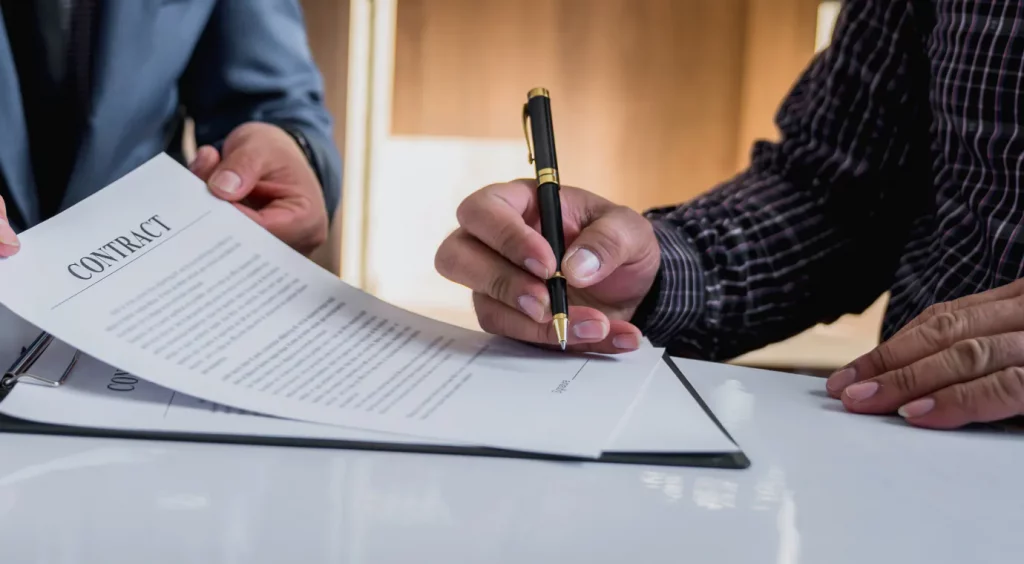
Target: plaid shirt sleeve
x=813, y=228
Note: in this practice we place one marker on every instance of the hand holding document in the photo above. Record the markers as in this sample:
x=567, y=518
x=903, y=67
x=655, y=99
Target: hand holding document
x=156, y=276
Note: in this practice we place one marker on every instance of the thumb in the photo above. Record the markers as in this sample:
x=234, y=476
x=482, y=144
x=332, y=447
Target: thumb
x=240, y=168
x=9, y=243
x=611, y=241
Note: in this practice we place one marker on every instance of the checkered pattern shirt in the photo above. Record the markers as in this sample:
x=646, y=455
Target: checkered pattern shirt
x=898, y=168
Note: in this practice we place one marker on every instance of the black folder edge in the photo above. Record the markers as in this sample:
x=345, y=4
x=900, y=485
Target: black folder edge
x=726, y=460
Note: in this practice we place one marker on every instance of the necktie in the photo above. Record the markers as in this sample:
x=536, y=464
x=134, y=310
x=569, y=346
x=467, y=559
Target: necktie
x=80, y=49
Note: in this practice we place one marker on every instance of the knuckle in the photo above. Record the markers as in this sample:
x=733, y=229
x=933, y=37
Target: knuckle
x=942, y=327
x=955, y=305
x=904, y=380
x=934, y=310
x=965, y=397
x=971, y=355
x=880, y=358
x=499, y=286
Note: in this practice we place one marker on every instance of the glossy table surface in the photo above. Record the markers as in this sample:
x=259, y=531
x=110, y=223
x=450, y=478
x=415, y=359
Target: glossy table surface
x=824, y=486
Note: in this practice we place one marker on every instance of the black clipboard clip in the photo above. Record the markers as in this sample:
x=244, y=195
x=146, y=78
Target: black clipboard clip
x=19, y=371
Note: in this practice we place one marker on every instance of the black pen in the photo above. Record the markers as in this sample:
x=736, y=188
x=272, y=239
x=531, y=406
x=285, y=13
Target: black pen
x=538, y=111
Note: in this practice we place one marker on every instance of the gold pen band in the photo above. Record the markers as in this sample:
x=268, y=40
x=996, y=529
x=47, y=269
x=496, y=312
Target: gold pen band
x=538, y=92
x=546, y=175
x=558, y=274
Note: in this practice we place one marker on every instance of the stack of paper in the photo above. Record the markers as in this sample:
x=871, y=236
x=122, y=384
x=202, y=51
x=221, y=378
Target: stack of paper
x=199, y=308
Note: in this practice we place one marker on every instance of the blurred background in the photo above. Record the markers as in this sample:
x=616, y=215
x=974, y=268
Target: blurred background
x=654, y=102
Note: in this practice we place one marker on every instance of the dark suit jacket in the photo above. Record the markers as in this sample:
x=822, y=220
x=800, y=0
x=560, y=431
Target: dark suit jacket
x=221, y=62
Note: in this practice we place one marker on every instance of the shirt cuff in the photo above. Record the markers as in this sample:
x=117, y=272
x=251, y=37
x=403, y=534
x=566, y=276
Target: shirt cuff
x=676, y=302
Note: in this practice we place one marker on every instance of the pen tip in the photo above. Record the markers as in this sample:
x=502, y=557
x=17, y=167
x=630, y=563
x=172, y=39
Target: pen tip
x=561, y=323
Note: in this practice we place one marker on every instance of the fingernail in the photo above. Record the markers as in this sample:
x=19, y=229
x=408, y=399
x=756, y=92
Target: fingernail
x=590, y=330
x=840, y=380
x=226, y=181
x=916, y=408
x=582, y=264
x=7, y=236
x=626, y=342
x=536, y=268
x=862, y=391
x=531, y=306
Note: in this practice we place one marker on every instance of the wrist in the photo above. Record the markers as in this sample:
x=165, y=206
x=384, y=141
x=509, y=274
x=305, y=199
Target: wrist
x=676, y=301
x=300, y=140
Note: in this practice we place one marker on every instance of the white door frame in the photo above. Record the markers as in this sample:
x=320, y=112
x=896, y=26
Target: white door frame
x=372, y=29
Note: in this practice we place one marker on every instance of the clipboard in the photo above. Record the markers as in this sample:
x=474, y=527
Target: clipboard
x=20, y=373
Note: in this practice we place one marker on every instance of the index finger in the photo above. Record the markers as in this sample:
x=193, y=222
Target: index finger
x=937, y=333
x=995, y=397
x=1011, y=290
x=494, y=215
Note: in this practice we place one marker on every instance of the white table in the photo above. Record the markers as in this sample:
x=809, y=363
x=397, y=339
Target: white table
x=824, y=487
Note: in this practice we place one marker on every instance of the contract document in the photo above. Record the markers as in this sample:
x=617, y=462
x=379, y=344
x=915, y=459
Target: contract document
x=156, y=276
x=666, y=418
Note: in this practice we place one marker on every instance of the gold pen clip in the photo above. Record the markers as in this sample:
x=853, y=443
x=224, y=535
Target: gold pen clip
x=526, y=133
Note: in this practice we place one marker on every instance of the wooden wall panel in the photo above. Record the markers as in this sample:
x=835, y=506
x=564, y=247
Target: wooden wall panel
x=646, y=94
x=780, y=38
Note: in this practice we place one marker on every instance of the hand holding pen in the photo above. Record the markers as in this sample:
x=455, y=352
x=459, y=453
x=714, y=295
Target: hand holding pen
x=610, y=263
x=537, y=112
